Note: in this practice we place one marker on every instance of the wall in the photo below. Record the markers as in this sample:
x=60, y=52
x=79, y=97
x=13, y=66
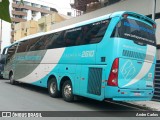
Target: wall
x=158, y=54
x=24, y=29
x=46, y=22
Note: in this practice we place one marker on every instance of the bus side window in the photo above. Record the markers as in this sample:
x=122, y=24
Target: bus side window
x=99, y=31
x=56, y=40
x=81, y=38
x=32, y=44
x=4, y=51
x=22, y=46
x=71, y=36
x=46, y=41
x=11, y=52
x=92, y=33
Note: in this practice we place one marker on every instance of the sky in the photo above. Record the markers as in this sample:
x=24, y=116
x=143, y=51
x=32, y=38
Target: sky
x=61, y=5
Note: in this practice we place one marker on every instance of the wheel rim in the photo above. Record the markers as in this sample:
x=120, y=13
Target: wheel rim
x=53, y=87
x=67, y=90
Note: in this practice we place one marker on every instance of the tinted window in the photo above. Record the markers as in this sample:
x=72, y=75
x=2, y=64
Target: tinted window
x=87, y=34
x=11, y=51
x=35, y=44
x=137, y=31
x=4, y=51
x=22, y=46
x=56, y=41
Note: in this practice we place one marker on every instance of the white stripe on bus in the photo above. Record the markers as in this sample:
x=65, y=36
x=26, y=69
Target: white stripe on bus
x=51, y=56
x=151, y=50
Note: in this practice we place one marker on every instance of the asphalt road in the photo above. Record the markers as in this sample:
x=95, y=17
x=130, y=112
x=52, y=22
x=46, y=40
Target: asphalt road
x=28, y=97
x=24, y=97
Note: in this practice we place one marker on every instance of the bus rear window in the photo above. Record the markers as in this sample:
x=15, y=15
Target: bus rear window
x=141, y=33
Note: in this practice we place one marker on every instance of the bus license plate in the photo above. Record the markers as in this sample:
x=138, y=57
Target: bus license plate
x=137, y=94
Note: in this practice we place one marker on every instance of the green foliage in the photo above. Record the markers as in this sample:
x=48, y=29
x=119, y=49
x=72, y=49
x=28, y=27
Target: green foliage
x=4, y=11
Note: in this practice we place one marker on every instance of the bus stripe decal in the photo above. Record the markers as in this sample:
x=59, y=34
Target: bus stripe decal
x=51, y=56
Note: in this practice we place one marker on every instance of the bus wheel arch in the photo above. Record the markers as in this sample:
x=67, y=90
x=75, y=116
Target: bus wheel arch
x=67, y=89
x=53, y=87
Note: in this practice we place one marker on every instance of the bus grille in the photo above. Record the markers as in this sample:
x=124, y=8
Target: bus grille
x=137, y=55
x=94, y=81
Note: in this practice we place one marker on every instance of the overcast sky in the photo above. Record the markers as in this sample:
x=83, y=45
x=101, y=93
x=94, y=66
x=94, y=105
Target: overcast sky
x=61, y=5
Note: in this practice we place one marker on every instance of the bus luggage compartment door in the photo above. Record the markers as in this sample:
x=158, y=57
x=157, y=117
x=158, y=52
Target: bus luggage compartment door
x=135, y=74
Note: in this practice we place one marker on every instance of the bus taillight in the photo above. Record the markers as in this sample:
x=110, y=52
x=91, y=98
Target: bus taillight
x=113, y=77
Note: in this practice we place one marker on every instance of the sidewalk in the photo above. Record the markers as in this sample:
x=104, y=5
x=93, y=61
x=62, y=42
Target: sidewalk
x=155, y=106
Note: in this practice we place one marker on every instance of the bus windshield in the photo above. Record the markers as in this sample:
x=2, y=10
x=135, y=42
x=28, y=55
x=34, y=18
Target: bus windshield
x=140, y=32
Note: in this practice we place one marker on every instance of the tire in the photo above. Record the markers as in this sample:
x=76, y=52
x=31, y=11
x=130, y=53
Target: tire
x=67, y=91
x=53, y=88
x=11, y=78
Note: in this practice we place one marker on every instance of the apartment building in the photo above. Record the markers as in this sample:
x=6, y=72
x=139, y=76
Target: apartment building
x=29, y=10
x=43, y=24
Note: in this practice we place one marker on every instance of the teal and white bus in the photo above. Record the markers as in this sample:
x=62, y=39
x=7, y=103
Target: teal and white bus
x=108, y=57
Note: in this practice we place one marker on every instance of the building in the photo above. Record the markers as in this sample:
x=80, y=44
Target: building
x=23, y=29
x=28, y=11
x=31, y=10
x=43, y=24
x=80, y=6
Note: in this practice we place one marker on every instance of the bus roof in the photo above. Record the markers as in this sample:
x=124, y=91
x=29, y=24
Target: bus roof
x=137, y=15
x=77, y=24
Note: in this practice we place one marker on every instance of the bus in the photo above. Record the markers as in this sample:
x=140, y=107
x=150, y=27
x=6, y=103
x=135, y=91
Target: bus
x=108, y=57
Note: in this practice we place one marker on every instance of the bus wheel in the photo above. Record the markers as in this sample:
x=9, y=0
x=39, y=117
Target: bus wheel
x=11, y=78
x=67, y=91
x=52, y=88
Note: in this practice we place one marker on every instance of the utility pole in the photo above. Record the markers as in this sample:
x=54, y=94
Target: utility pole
x=154, y=10
x=0, y=33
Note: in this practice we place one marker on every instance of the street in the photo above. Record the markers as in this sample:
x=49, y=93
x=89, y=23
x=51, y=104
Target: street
x=24, y=97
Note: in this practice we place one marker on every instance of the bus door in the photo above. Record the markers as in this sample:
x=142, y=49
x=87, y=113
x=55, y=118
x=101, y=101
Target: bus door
x=3, y=60
x=10, y=60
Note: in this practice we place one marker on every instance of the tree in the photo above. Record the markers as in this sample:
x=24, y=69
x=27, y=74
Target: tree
x=4, y=10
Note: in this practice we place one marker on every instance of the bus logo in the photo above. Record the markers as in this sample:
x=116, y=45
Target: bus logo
x=128, y=70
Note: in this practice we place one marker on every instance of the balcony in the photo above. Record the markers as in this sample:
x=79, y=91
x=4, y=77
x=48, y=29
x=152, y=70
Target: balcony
x=12, y=33
x=18, y=20
x=32, y=8
x=19, y=13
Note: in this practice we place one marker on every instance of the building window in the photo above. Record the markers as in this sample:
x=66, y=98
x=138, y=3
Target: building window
x=69, y=13
x=110, y=2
